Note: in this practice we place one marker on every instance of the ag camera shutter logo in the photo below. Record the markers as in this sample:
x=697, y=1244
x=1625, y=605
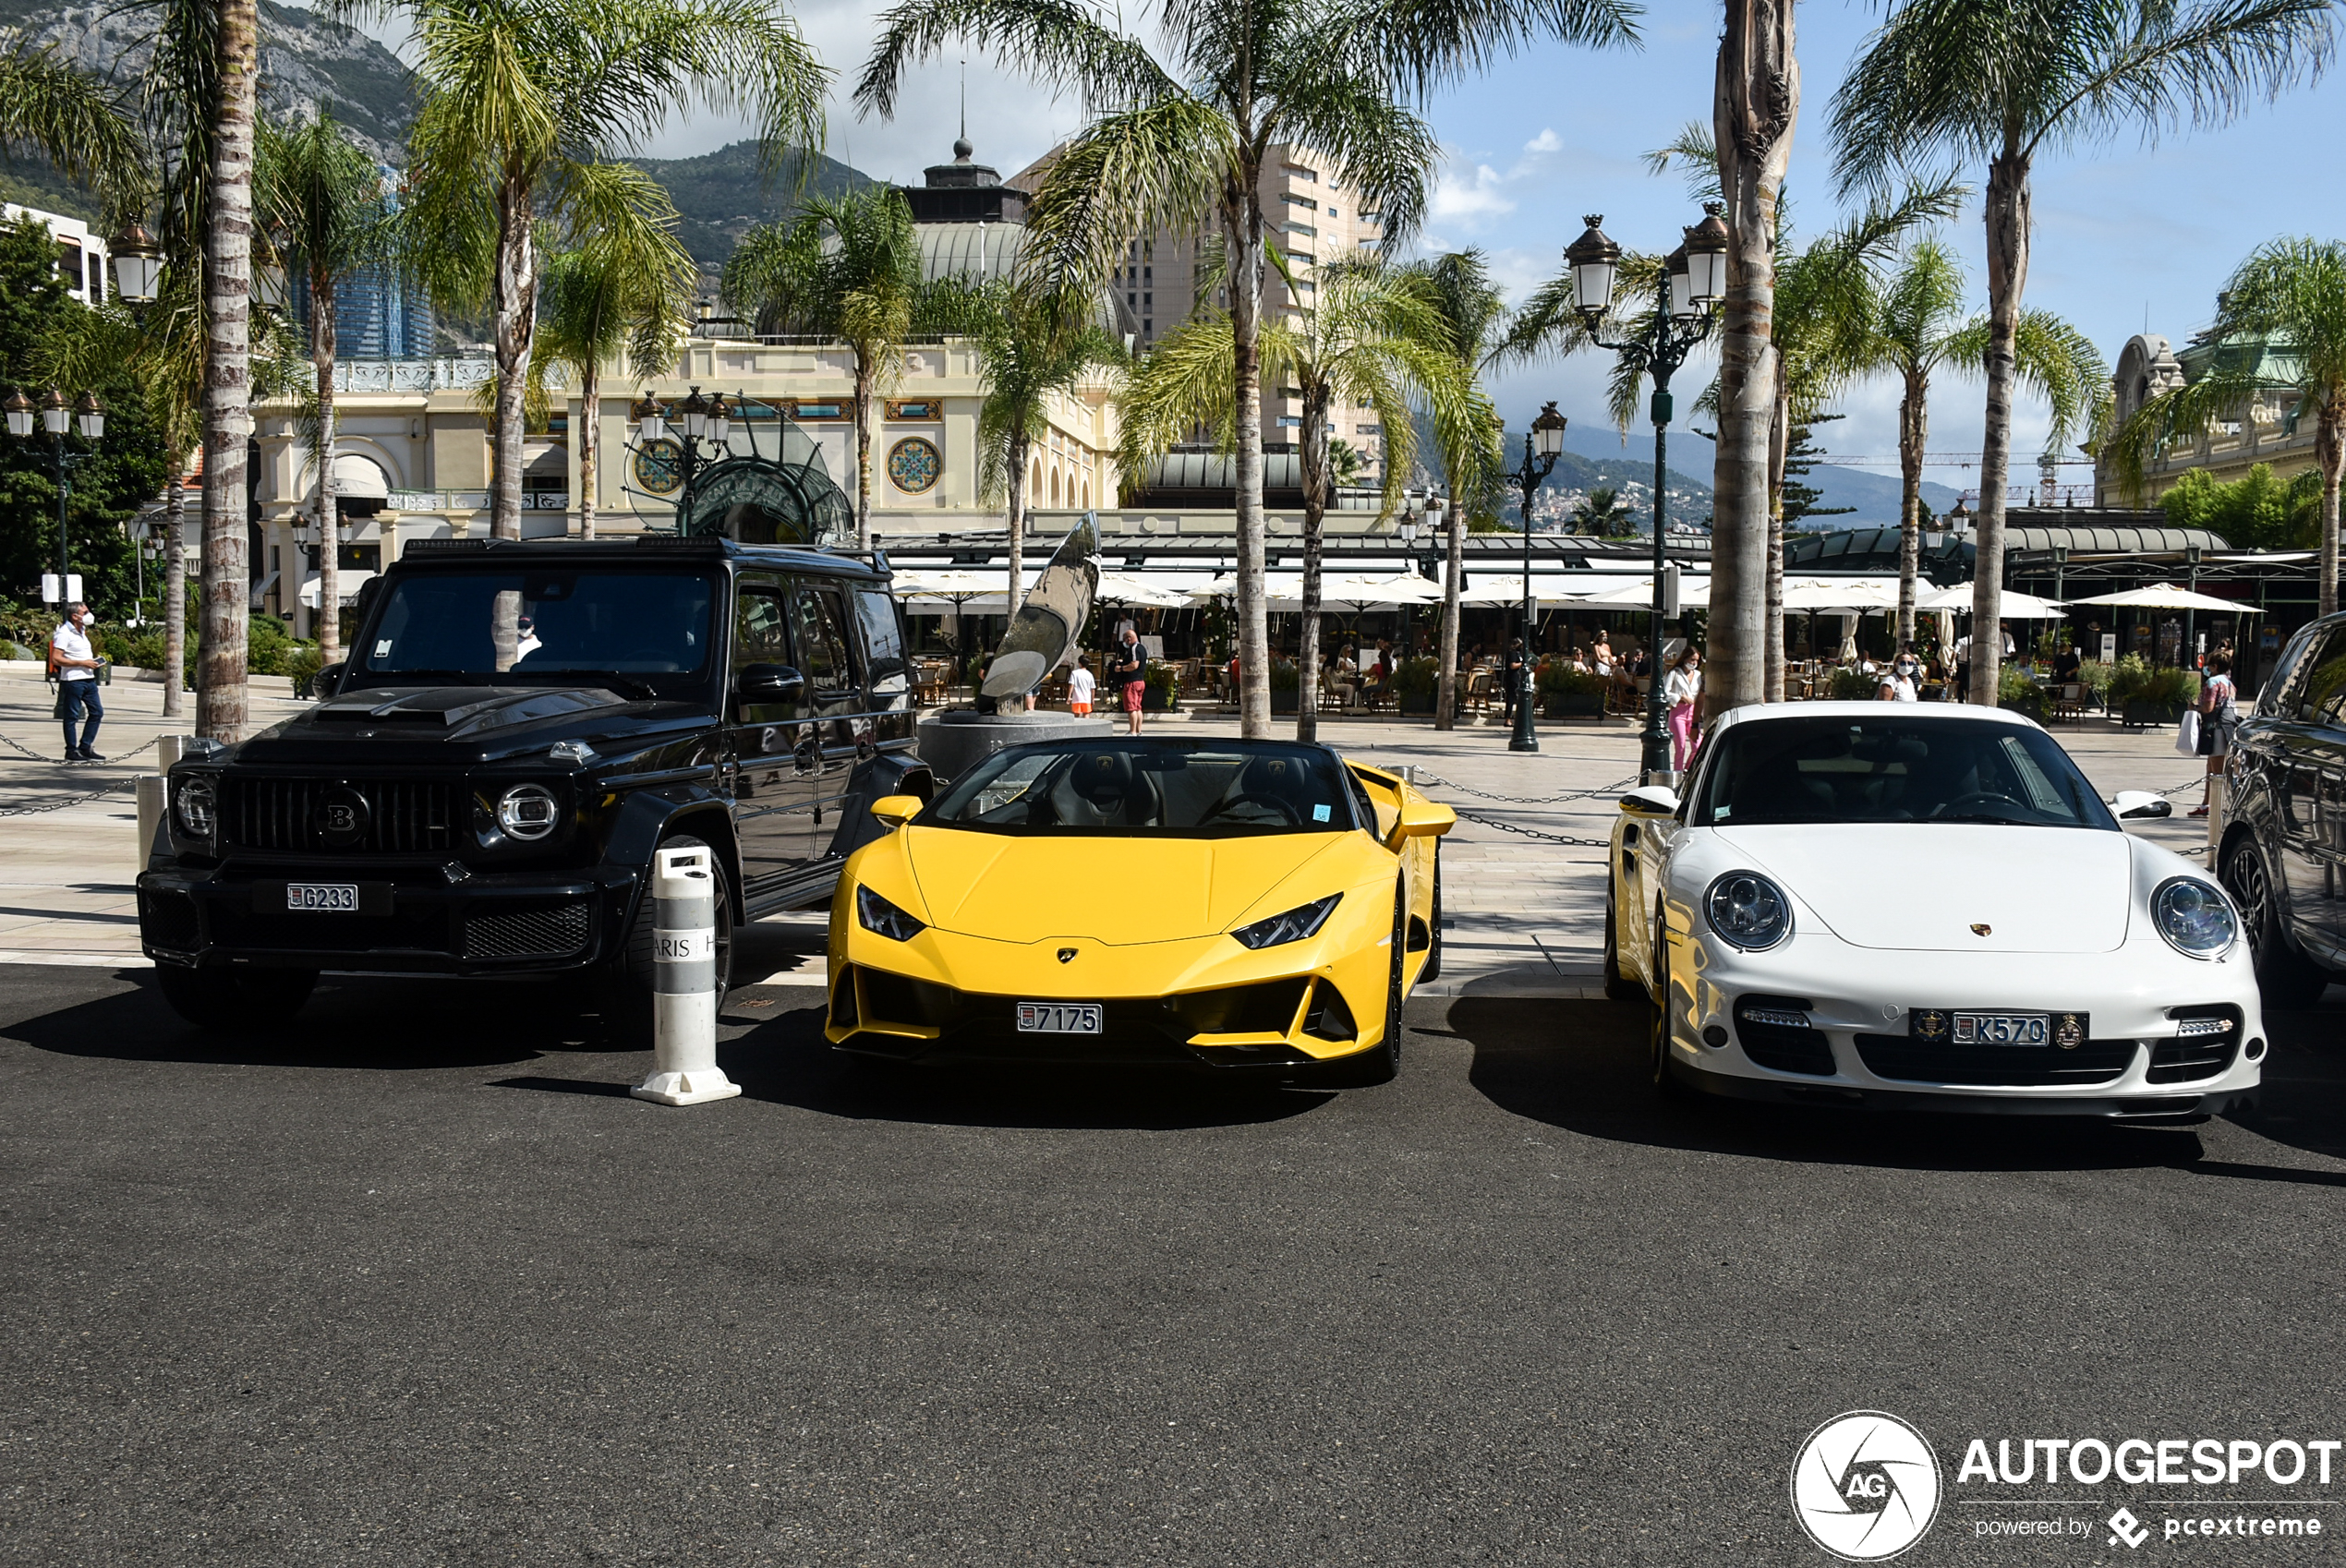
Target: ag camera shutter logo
x=1866, y=1485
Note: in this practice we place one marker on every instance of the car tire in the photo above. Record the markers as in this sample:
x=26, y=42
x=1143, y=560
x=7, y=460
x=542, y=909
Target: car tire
x=1664, y=1072
x=2287, y=979
x=1617, y=986
x=626, y=984
x=224, y=998
x=1433, y=970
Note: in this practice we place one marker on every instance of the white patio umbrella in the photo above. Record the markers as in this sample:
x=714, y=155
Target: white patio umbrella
x=1141, y=589
x=1485, y=590
x=2015, y=606
x=2166, y=595
x=1694, y=593
x=1840, y=593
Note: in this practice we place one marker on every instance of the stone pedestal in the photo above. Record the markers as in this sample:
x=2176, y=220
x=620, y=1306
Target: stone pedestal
x=953, y=741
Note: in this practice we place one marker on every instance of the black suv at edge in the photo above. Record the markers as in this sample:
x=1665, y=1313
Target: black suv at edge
x=2283, y=857
x=518, y=728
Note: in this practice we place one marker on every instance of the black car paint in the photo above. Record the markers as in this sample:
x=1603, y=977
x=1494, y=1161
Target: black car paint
x=2287, y=779
x=637, y=771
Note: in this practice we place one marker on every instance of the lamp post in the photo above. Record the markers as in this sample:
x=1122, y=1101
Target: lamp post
x=1406, y=527
x=1542, y=445
x=1693, y=284
x=697, y=422
x=137, y=264
x=55, y=416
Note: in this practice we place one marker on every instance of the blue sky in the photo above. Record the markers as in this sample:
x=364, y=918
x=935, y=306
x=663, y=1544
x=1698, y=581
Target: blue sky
x=2125, y=233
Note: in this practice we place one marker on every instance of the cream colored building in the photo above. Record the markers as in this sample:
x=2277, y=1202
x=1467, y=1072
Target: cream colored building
x=2269, y=430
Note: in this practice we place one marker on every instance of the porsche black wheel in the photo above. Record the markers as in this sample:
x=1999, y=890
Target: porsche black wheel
x=1664, y=1073
x=240, y=999
x=2286, y=978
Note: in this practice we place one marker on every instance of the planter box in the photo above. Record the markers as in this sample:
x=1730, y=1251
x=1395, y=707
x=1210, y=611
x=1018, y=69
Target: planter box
x=2137, y=712
x=1416, y=704
x=1572, y=705
x=1154, y=700
x=1283, y=701
x=2032, y=706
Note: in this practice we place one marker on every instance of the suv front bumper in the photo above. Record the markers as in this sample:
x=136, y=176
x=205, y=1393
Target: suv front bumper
x=489, y=924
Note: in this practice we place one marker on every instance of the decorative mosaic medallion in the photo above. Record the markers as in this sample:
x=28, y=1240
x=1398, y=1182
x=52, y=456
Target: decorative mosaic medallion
x=913, y=464
x=660, y=467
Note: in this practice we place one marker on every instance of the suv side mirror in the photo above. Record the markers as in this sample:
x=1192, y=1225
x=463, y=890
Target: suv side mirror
x=323, y=682
x=769, y=683
x=2137, y=804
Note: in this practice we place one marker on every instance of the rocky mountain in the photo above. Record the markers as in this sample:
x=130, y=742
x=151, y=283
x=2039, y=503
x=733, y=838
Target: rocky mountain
x=719, y=195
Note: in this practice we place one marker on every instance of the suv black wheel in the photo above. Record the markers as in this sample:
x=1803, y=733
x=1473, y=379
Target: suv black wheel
x=232, y=998
x=2286, y=976
x=627, y=986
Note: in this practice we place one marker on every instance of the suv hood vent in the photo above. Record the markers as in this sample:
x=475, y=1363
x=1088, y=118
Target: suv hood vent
x=452, y=711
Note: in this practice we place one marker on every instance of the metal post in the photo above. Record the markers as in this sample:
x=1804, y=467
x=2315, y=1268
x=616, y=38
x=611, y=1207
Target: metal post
x=1526, y=736
x=1655, y=765
x=65, y=488
x=685, y=998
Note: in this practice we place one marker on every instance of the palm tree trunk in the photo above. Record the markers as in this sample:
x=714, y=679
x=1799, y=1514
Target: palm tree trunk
x=515, y=305
x=1755, y=103
x=227, y=590
x=175, y=587
x=2330, y=452
x=1242, y=228
x=2008, y=222
x=1014, y=514
x=1445, y=693
x=1779, y=438
x=862, y=450
x=1914, y=427
x=1313, y=450
x=322, y=354
x=590, y=423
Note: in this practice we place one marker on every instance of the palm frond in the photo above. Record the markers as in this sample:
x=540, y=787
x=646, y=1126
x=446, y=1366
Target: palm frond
x=1060, y=43
x=83, y=129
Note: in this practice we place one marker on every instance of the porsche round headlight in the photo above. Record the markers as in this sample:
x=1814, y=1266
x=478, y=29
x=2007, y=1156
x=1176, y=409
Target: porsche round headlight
x=2194, y=916
x=528, y=810
x=1748, y=910
x=195, y=806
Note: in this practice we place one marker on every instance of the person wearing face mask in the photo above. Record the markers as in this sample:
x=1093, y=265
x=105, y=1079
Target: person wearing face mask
x=1903, y=680
x=76, y=663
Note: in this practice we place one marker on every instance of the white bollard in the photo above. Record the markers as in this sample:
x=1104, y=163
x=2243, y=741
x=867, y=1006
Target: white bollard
x=151, y=805
x=685, y=998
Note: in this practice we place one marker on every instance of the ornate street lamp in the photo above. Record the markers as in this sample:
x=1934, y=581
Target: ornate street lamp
x=91, y=415
x=57, y=418
x=1542, y=445
x=650, y=416
x=19, y=408
x=137, y=264
x=1693, y=284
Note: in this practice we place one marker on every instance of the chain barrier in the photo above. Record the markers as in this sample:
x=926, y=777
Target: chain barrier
x=31, y=755
x=62, y=805
x=1425, y=778
x=1533, y=832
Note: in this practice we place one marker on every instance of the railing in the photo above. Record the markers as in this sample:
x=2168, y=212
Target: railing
x=411, y=375
x=471, y=501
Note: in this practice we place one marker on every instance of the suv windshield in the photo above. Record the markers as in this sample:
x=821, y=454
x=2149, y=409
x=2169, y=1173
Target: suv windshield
x=1903, y=769
x=1145, y=789
x=654, y=625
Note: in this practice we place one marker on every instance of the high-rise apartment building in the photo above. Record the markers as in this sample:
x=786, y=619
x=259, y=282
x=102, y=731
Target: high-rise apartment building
x=1314, y=219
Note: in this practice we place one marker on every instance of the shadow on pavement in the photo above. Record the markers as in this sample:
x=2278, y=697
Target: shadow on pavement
x=2304, y=1100
x=1580, y=1065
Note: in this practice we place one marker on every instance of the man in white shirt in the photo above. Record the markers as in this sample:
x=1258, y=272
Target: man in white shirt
x=77, y=666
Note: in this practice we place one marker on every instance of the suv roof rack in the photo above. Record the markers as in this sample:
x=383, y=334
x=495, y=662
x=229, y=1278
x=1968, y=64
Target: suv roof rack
x=698, y=544
x=436, y=546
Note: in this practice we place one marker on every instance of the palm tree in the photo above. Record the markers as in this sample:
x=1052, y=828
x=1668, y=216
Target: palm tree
x=622, y=291
x=319, y=198
x=1374, y=336
x=525, y=105
x=227, y=421
x=2290, y=295
x=1474, y=311
x=1030, y=353
x=847, y=268
x=2002, y=82
x=1914, y=327
x=1186, y=140
x=1601, y=513
x=75, y=123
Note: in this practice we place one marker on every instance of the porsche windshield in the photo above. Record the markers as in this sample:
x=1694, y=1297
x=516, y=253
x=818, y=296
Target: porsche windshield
x=1891, y=769
x=457, y=625
x=1117, y=787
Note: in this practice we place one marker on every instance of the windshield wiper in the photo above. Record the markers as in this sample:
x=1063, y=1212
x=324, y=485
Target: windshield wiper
x=424, y=676
x=1988, y=817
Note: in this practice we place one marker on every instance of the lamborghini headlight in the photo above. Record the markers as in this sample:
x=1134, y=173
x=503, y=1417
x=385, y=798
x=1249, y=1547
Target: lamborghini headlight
x=1748, y=910
x=880, y=916
x=2194, y=916
x=1293, y=925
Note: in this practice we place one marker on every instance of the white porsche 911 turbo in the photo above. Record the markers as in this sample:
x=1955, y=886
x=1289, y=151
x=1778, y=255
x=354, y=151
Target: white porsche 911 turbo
x=1872, y=904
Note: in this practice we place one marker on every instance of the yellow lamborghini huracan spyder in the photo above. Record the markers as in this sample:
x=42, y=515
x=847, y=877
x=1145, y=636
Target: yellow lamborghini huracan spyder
x=1242, y=903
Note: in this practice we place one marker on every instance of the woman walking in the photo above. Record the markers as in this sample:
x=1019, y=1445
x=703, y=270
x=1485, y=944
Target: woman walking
x=2219, y=715
x=1681, y=691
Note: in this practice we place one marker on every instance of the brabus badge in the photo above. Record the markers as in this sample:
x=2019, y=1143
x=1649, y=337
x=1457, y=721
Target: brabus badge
x=1983, y=930
x=1067, y=955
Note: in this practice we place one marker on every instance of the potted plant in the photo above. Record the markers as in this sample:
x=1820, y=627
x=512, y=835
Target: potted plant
x=1568, y=693
x=1851, y=684
x=1414, y=684
x=1163, y=689
x=2017, y=693
x=2144, y=693
x=2093, y=676
x=1284, y=679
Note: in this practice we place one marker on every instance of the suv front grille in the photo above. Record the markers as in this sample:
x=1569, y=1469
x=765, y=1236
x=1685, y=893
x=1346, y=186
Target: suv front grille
x=291, y=814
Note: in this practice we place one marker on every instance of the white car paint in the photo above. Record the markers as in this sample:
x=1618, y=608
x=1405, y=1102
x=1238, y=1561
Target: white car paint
x=1882, y=922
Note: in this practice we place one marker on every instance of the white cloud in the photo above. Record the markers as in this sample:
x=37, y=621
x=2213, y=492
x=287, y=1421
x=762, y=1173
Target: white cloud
x=1473, y=200
x=1546, y=142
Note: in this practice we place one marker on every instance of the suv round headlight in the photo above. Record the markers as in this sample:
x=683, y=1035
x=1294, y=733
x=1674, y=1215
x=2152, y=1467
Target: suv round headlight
x=528, y=810
x=1748, y=910
x=2194, y=916
x=194, y=806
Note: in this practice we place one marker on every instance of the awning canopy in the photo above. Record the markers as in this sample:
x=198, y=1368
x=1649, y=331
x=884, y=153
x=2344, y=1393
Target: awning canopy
x=346, y=585
x=358, y=477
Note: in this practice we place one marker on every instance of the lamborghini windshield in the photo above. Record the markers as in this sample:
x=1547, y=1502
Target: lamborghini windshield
x=1131, y=787
x=1893, y=769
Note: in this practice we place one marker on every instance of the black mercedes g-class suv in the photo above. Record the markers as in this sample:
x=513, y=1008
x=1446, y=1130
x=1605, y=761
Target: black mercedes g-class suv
x=519, y=727
x=2283, y=858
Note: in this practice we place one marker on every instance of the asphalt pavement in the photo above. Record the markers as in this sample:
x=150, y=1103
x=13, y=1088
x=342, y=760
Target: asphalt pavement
x=416, y=1283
